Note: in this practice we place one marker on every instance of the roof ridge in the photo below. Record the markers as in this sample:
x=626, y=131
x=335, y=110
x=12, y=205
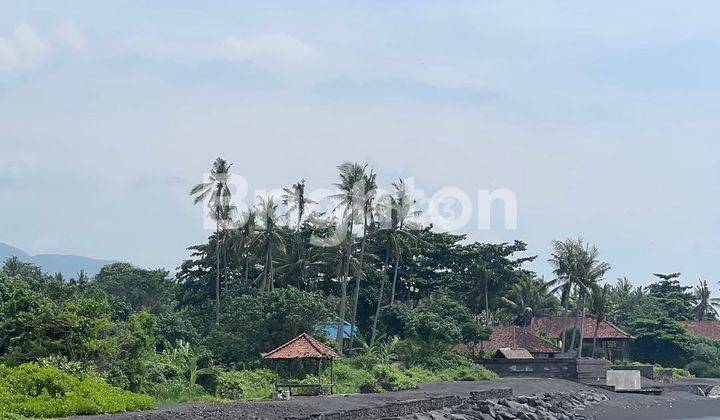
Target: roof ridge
x=618, y=329
x=282, y=346
x=317, y=344
x=525, y=330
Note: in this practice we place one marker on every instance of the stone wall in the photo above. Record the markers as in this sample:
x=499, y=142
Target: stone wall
x=540, y=368
x=403, y=408
x=646, y=371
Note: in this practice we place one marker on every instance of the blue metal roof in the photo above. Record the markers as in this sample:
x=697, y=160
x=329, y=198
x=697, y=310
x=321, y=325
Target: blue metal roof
x=331, y=329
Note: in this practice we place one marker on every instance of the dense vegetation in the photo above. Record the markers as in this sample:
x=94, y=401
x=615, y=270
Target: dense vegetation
x=268, y=274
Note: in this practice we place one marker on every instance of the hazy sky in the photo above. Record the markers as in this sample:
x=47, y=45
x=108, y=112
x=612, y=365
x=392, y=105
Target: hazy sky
x=601, y=116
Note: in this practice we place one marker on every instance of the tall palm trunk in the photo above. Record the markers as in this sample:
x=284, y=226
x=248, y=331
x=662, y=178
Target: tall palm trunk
x=360, y=274
x=582, y=328
x=272, y=268
x=225, y=280
x=577, y=319
x=487, y=298
x=217, y=275
x=594, y=345
x=343, y=286
x=380, y=295
x=263, y=287
x=247, y=267
x=395, y=274
x=566, y=305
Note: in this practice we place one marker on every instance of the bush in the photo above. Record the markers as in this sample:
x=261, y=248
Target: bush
x=702, y=369
x=253, y=384
x=351, y=377
x=45, y=391
x=391, y=378
x=179, y=390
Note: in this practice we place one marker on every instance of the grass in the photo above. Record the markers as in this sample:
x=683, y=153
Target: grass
x=44, y=391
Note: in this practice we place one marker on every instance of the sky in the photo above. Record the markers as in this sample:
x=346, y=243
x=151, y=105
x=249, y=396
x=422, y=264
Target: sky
x=599, y=116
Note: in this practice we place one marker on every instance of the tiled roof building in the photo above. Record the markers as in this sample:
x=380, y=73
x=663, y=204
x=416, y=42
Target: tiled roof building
x=301, y=347
x=612, y=341
x=708, y=329
x=512, y=337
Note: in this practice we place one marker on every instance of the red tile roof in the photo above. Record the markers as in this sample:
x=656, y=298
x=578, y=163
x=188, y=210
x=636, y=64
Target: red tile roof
x=552, y=326
x=709, y=329
x=301, y=347
x=512, y=337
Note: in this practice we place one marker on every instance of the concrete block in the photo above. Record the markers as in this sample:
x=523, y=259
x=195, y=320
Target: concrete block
x=624, y=380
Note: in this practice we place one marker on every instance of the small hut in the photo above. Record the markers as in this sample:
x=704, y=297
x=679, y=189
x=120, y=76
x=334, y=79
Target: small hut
x=304, y=347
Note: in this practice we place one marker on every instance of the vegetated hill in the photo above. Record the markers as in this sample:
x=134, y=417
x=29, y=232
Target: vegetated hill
x=68, y=265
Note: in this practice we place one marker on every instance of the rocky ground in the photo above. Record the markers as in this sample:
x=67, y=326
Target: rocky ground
x=573, y=400
x=557, y=406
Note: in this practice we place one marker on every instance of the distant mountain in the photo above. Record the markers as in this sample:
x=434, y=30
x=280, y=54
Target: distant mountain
x=68, y=265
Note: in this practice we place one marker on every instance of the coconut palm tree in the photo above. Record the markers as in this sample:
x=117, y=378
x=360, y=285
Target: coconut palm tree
x=296, y=201
x=601, y=305
x=590, y=271
x=576, y=267
x=562, y=261
x=527, y=298
x=393, y=213
x=298, y=257
x=218, y=194
x=350, y=198
x=268, y=239
x=244, y=235
x=706, y=305
x=369, y=190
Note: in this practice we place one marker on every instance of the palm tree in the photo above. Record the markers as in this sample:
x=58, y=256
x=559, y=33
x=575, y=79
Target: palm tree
x=244, y=235
x=269, y=240
x=296, y=201
x=217, y=192
x=590, y=271
x=527, y=298
x=705, y=304
x=562, y=260
x=393, y=212
x=369, y=189
x=576, y=266
x=298, y=257
x=402, y=202
x=601, y=305
x=12, y=266
x=352, y=176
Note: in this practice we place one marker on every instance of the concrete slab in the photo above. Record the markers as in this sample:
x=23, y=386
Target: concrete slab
x=624, y=380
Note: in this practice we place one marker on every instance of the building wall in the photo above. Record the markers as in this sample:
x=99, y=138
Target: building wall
x=541, y=368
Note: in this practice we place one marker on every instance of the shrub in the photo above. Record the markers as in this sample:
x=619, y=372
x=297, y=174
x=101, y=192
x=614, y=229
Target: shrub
x=179, y=390
x=391, y=378
x=253, y=384
x=350, y=377
x=45, y=391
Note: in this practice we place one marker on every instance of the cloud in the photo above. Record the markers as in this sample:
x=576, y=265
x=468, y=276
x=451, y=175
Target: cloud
x=268, y=50
x=23, y=48
x=68, y=34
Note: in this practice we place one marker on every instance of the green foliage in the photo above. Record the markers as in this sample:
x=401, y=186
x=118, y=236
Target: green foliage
x=179, y=390
x=250, y=384
x=44, y=391
x=139, y=288
x=676, y=300
x=661, y=341
x=351, y=376
x=253, y=324
x=367, y=376
x=436, y=321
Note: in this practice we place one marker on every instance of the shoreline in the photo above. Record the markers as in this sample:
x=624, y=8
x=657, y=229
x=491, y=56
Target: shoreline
x=671, y=405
